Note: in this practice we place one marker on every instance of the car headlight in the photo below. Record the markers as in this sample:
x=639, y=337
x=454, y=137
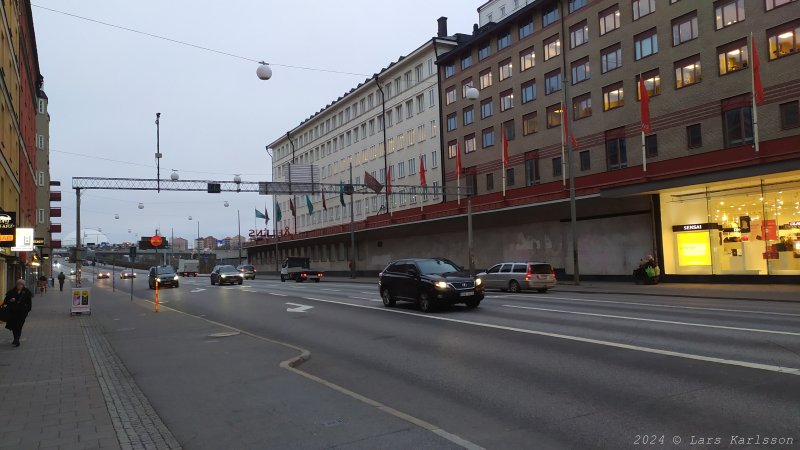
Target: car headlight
x=175, y=278
x=241, y=275
x=478, y=281
x=158, y=279
x=441, y=285
x=223, y=275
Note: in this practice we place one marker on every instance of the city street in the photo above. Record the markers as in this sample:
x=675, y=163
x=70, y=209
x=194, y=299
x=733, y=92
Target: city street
x=555, y=370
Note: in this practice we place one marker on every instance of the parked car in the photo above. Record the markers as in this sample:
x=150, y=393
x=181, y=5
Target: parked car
x=125, y=274
x=429, y=282
x=248, y=271
x=72, y=271
x=164, y=275
x=517, y=276
x=103, y=275
x=226, y=274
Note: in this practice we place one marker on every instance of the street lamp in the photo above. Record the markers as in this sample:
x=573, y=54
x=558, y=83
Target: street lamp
x=174, y=176
x=226, y=203
x=116, y=216
x=141, y=205
x=472, y=93
x=264, y=71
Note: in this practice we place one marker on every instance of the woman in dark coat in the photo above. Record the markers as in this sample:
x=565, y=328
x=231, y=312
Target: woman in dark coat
x=17, y=303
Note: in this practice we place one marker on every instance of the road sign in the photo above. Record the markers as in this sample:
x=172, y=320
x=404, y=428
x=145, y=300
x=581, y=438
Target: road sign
x=156, y=241
x=133, y=253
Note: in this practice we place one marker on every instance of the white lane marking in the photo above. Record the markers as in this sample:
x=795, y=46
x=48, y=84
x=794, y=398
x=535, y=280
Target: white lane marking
x=701, y=308
x=197, y=290
x=672, y=322
x=249, y=290
x=298, y=307
x=279, y=295
x=332, y=290
x=365, y=292
x=731, y=362
x=370, y=299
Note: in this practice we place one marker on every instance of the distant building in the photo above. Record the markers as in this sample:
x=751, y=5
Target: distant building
x=180, y=244
x=209, y=242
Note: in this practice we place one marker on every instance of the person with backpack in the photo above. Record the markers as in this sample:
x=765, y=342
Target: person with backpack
x=16, y=306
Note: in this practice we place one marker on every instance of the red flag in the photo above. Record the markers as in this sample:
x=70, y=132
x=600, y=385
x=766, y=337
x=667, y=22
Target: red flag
x=422, y=181
x=505, y=147
x=758, y=88
x=372, y=183
x=574, y=142
x=458, y=161
x=324, y=206
x=389, y=180
x=644, y=105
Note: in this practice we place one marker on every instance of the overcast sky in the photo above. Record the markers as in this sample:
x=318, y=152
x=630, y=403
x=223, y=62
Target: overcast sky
x=105, y=86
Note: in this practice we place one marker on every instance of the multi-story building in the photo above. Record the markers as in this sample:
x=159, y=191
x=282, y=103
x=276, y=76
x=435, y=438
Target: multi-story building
x=397, y=110
x=180, y=244
x=208, y=242
x=719, y=195
x=44, y=196
x=497, y=10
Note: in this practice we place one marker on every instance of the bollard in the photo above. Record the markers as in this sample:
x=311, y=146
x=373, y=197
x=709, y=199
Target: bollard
x=156, y=295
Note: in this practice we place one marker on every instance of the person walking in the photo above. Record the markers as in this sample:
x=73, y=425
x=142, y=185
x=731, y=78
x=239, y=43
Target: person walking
x=16, y=305
x=61, y=278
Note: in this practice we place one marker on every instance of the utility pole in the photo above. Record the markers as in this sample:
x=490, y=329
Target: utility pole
x=352, y=229
x=158, y=152
x=239, y=237
x=78, y=236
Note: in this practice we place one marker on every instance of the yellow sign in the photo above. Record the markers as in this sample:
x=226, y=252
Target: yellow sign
x=694, y=248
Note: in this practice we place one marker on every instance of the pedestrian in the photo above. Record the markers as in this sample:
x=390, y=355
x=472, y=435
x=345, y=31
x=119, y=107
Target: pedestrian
x=61, y=278
x=16, y=306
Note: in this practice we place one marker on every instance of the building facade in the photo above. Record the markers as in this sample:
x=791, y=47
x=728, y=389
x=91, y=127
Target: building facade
x=710, y=201
x=353, y=131
x=180, y=244
x=497, y=10
x=44, y=196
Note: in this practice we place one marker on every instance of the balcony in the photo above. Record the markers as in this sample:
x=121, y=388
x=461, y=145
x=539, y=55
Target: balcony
x=55, y=212
x=55, y=196
x=55, y=228
x=55, y=243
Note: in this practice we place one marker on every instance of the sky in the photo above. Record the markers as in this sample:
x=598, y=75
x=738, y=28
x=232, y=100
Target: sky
x=105, y=86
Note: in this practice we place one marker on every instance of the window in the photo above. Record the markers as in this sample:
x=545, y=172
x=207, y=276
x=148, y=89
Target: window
x=40, y=215
x=42, y=108
x=684, y=28
x=452, y=148
x=431, y=98
x=485, y=79
x=484, y=52
x=582, y=106
x=616, y=153
x=486, y=108
x=652, y=82
x=789, y=115
x=529, y=91
x=412, y=166
x=489, y=181
x=420, y=103
x=417, y=72
x=687, y=72
x=469, y=143
x=651, y=146
x=784, y=40
x=506, y=100
x=434, y=159
x=505, y=70
x=549, y=16
x=469, y=115
x=451, y=122
x=772, y=4
x=526, y=29
x=642, y=8
x=527, y=59
x=552, y=82
x=729, y=12
x=578, y=34
x=450, y=95
x=509, y=131
x=552, y=47
x=733, y=57
x=401, y=169
x=503, y=40
x=531, y=171
x=554, y=115
x=574, y=5
x=609, y=19
x=529, y=124
x=466, y=61
x=611, y=58
x=645, y=44
x=694, y=136
x=737, y=121
x=613, y=96
x=449, y=70
x=399, y=111
x=465, y=85
x=40, y=141
x=434, y=128
x=510, y=176
x=557, y=166
x=580, y=70
x=586, y=160
x=488, y=137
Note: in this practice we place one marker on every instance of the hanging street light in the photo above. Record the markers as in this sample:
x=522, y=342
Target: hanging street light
x=264, y=71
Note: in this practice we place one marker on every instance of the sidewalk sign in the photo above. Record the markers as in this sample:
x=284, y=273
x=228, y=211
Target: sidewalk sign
x=80, y=303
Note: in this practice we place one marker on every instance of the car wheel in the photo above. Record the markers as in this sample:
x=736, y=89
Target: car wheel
x=241, y=281
x=254, y=277
x=542, y=291
x=388, y=301
x=177, y=284
x=425, y=302
x=472, y=304
x=212, y=281
x=513, y=286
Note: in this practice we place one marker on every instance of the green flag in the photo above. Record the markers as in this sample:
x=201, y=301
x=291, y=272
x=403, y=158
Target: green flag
x=260, y=215
x=310, y=205
x=341, y=192
x=278, y=215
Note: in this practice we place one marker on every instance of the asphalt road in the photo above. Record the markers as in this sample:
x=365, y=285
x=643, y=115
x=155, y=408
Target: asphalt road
x=555, y=370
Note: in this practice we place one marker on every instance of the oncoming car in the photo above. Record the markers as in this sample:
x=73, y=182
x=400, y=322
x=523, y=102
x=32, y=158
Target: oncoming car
x=226, y=274
x=103, y=275
x=125, y=274
x=164, y=275
x=429, y=283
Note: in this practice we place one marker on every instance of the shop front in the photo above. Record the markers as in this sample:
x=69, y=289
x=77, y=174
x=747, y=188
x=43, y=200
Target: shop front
x=747, y=226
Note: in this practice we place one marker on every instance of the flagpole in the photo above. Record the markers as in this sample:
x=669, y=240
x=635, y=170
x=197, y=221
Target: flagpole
x=641, y=97
x=753, y=90
x=504, y=177
x=563, y=143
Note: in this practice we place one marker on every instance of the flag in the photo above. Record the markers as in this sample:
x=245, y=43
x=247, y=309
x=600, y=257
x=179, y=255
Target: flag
x=324, y=205
x=260, y=215
x=422, y=181
x=505, y=147
x=309, y=205
x=278, y=215
x=291, y=206
x=644, y=105
x=341, y=193
x=574, y=142
x=758, y=88
x=389, y=180
x=372, y=183
x=266, y=214
x=459, y=169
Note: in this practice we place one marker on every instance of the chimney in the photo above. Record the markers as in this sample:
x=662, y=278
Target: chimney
x=442, y=27
x=475, y=29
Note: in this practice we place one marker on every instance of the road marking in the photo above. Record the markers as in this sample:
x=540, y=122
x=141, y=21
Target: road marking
x=731, y=362
x=672, y=322
x=275, y=293
x=701, y=308
x=365, y=292
x=249, y=290
x=298, y=307
x=370, y=299
x=197, y=290
x=332, y=290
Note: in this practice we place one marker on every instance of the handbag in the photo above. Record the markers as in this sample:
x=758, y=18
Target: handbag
x=4, y=313
x=651, y=273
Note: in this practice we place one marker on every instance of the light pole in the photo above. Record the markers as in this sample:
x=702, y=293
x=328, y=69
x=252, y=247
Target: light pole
x=158, y=151
x=274, y=202
x=472, y=94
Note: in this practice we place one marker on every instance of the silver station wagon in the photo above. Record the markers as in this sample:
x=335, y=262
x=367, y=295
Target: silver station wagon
x=516, y=276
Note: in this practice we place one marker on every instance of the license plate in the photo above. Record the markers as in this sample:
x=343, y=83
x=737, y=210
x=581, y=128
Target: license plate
x=467, y=293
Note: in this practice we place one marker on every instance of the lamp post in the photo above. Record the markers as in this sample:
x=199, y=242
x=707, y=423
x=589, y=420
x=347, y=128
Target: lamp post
x=274, y=202
x=471, y=94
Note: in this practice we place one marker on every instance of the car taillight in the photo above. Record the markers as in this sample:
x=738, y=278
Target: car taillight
x=528, y=275
x=319, y=275
x=553, y=273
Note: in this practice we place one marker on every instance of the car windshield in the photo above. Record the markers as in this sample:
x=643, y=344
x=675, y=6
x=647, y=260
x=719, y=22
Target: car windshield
x=164, y=270
x=247, y=267
x=436, y=267
x=227, y=269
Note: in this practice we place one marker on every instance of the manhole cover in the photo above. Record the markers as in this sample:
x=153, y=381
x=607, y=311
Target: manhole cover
x=224, y=334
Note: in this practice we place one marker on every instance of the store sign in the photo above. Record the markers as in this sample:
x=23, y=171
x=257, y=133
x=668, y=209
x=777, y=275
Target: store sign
x=795, y=224
x=38, y=242
x=694, y=249
x=769, y=229
x=695, y=227
x=8, y=226
x=258, y=234
x=24, y=240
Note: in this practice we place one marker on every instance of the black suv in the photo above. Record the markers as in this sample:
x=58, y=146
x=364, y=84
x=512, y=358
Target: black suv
x=429, y=283
x=165, y=275
x=226, y=274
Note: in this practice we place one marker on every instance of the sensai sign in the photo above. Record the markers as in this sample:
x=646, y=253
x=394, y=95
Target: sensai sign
x=695, y=227
x=8, y=228
x=24, y=240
